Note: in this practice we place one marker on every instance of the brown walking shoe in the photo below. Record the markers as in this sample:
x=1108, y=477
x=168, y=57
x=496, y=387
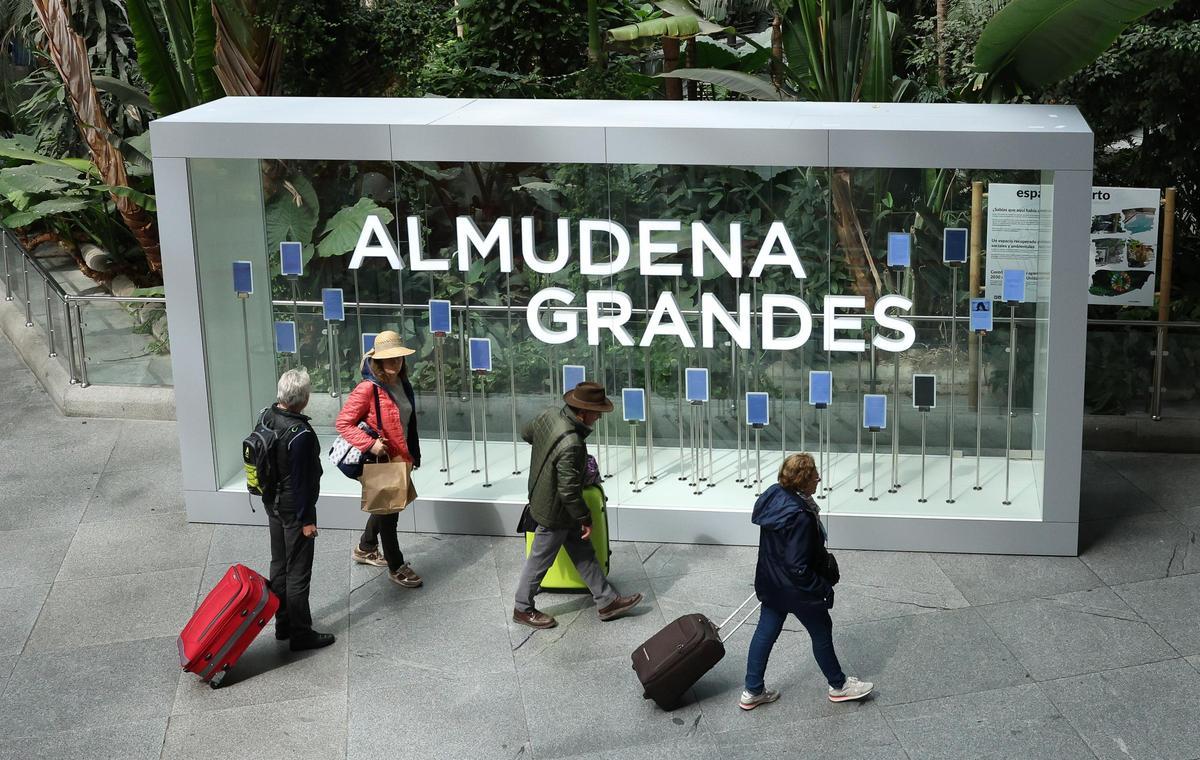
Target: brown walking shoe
x=374, y=557
x=620, y=606
x=405, y=577
x=534, y=619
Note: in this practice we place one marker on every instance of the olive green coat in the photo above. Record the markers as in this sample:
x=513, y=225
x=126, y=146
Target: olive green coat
x=557, y=468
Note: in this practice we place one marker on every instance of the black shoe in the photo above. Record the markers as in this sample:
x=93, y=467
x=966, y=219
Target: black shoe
x=313, y=641
x=282, y=634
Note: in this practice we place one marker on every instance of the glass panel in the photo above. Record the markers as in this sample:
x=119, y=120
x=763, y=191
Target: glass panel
x=125, y=343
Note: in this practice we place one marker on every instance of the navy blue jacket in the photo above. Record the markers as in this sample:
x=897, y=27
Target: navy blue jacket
x=791, y=545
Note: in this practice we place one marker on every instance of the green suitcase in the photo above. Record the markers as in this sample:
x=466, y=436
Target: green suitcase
x=562, y=575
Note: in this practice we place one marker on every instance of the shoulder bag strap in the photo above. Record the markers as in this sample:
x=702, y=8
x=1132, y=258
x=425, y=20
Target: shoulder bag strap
x=378, y=413
x=550, y=451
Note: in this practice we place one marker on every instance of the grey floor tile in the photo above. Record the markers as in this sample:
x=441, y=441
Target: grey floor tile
x=453, y=568
x=1171, y=481
x=1194, y=661
x=247, y=544
x=1149, y=712
x=19, y=610
x=1171, y=606
x=455, y=640
x=145, y=443
x=1104, y=493
x=928, y=656
x=991, y=578
x=7, y=664
x=472, y=717
x=133, y=494
x=95, y=686
x=858, y=732
x=1139, y=548
x=880, y=585
x=715, y=594
x=32, y=556
x=89, y=441
x=1080, y=632
x=295, y=730
x=580, y=634
x=127, y=741
x=122, y=608
x=147, y=544
x=597, y=706
x=1189, y=517
x=1015, y=722
x=662, y=560
x=18, y=511
x=691, y=748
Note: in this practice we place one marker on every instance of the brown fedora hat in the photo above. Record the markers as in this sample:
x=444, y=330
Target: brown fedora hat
x=589, y=396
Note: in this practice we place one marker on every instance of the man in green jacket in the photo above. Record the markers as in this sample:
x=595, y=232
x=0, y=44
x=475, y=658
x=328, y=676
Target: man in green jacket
x=556, y=474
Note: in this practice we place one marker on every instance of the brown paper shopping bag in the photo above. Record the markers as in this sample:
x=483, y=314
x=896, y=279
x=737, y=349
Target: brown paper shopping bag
x=387, y=487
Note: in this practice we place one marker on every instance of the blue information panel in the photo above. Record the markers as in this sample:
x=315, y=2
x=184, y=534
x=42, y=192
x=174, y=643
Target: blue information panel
x=758, y=409
x=899, y=250
x=243, y=278
x=333, y=304
x=291, y=259
x=633, y=404
x=1014, y=285
x=820, y=388
x=481, y=354
x=285, y=337
x=573, y=374
x=981, y=314
x=875, y=411
x=954, y=245
x=439, y=317
x=696, y=384
x=368, y=341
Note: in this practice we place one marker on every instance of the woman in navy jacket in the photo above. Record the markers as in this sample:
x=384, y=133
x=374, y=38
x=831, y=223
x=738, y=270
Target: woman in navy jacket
x=791, y=579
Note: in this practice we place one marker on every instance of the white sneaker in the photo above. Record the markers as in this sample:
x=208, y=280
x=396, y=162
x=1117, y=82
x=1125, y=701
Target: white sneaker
x=852, y=689
x=750, y=701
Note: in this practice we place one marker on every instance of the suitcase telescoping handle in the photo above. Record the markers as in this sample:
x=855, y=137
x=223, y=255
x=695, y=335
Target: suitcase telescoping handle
x=741, y=622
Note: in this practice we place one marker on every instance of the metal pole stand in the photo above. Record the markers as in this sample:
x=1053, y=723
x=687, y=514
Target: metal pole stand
x=679, y=375
x=443, y=407
x=708, y=413
x=487, y=480
x=737, y=391
x=331, y=340
x=758, y=458
x=924, y=416
x=896, y=406
x=874, y=437
x=979, y=409
x=512, y=374
x=822, y=455
x=245, y=343
x=858, y=438
x=633, y=457
x=953, y=380
x=697, y=439
x=1012, y=368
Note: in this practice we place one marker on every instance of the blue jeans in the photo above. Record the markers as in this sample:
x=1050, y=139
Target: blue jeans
x=816, y=621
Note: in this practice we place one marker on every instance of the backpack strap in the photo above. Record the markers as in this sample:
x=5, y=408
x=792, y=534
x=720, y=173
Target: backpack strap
x=549, y=452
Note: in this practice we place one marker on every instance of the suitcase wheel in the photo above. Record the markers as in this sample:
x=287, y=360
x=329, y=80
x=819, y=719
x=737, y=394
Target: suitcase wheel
x=215, y=681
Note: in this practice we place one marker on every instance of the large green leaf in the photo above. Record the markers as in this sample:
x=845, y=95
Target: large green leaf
x=167, y=91
x=1040, y=42
x=684, y=9
x=668, y=26
x=18, y=150
x=121, y=191
x=123, y=91
x=290, y=219
x=734, y=81
x=342, y=231
x=877, y=76
x=204, y=27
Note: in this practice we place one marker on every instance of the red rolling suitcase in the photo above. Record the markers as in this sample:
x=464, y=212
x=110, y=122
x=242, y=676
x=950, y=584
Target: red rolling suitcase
x=226, y=622
x=673, y=660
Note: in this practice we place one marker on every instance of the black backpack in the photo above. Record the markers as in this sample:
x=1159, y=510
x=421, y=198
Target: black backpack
x=258, y=456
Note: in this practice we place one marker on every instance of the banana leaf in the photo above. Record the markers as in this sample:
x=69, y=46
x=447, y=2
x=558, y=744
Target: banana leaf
x=167, y=92
x=734, y=81
x=342, y=231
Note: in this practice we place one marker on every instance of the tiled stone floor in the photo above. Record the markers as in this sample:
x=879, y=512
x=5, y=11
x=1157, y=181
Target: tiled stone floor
x=974, y=656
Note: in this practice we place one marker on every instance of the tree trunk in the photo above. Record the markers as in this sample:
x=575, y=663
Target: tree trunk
x=595, y=46
x=777, y=52
x=246, y=65
x=852, y=240
x=693, y=86
x=69, y=53
x=672, y=87
x=940, y=34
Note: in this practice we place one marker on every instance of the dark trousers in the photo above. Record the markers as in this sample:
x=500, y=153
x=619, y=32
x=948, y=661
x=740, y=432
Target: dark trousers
x=381, y=529
x=291, y=571
x=819, y=625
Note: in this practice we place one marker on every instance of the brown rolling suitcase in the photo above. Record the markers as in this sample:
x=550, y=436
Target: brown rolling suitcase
x=675, y=658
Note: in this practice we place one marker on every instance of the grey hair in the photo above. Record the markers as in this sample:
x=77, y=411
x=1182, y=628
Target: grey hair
x=293, y=389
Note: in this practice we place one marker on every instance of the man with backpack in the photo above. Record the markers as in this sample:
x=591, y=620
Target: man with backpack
x=289, y=493
x=556, y=480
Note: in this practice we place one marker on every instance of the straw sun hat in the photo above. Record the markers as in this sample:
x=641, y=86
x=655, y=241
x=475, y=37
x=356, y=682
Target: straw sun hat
x=388, y=345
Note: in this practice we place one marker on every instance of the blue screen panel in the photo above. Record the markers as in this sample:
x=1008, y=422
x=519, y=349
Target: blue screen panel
x=481, y=354
x=696, y=384
x=981, y=314
x=1014, y=285
x=954, y=245
x=758, y=409
x=333, y=304
x=875, y=411
x=285, y=337
x=572, y=375
x=439, y=317
x=243, y=278
x=368, y=341
x=633, y=404
x=291, y=259
x=899, y=249
x=820, y=388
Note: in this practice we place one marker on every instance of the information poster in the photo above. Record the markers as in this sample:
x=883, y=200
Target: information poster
x=1124, y=247
x=1020, y=222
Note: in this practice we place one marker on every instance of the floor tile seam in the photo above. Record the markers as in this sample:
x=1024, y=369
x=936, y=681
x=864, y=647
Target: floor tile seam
x=64, y=581
x=1149, y=623
x=1050, y=699
x=1103, y=671
x=887, y=720
x=86, y=727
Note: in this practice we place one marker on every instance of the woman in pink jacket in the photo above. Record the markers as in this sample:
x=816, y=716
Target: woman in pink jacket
x=385, y=377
